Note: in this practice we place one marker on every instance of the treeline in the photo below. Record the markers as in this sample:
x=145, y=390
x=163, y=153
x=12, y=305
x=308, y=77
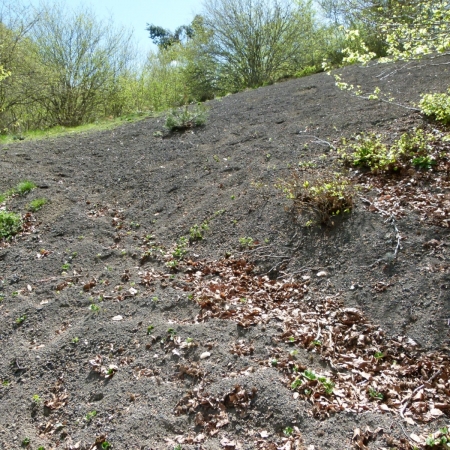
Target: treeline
x=67, y=67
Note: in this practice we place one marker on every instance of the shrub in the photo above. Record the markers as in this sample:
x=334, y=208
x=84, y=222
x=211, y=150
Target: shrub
x=10, y=224
x=415, y=149
x=186, y=117
x=318, y=197
x=436, y=106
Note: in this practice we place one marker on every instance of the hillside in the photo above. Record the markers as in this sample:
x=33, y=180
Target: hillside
x=228, y=348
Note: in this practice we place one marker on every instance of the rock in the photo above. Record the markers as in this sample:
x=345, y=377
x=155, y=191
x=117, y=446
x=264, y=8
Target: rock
x=205, y=355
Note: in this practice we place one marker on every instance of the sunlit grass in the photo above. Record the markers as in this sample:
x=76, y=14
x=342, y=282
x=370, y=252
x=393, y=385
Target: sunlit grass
x=54, y=132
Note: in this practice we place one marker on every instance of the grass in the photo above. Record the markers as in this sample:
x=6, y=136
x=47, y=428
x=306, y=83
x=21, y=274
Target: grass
x=24, y=187
x=55, y=132
x=10, y=224
x=37, y=204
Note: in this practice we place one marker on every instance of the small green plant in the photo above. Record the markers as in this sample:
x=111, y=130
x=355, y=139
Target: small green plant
x=373, y=393
x=90, y=415
x=186, y=117
x=36, y=399
x=10, y=224
x=20, y=320
x=65, y=266
x=196, y=231
x=171, y=332
x=75, y=340
x=296, y=383
x=37, y=204
x=288, y=431
x=246, y=242
x=106, y=445
x=378, y=355
x=189, y=340
x=318, y=196
x=436, y=106
x=24, y=187
x=177, y=447
x=41, y=447
x=94, y=307
x=150, y=329
x=274, y=362
x=6, y=383
x=181, y=248
x=26, y=442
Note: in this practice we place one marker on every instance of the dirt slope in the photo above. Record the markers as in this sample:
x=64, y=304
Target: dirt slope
x=205, y=356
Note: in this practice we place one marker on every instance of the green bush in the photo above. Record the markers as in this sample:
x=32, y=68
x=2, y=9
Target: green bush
x=319, y=196
x=369, y=151
x=10, y=224
x=186, y=117
x=436, y=106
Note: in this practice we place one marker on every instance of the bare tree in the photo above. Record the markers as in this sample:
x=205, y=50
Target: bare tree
x=255, y=40
x=83, y=60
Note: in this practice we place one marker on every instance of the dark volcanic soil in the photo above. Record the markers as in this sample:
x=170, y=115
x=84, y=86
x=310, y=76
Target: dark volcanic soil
x=204, y=355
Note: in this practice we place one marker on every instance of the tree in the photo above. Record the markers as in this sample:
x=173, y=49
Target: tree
x=164, y=38
x=83, y=59
x=256, y=41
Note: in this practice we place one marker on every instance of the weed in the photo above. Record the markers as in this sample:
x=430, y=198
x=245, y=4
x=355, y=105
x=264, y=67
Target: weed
x=24, y=187
x=150, y=329
x=65, y=266
x=233, y=197
x=10, y=224
x=318, y=197
x=274, y=362
x=171, y=332
x=75, y=340
x=373, y=393
x=177, y=447
x=246, y=242
x=180, y=249
x=41, y=448
x=189, y=340
x=196, y=232
x=90, y=415
x=94, y=307
x=26, y=442
x=186, y=117
x=378, y=355
x=20, y=320
x=288, y=431
x=436, y=106
x=5, y=383
x=106, y=445
x=37, y=204
x=36, y=399
x=296, y=383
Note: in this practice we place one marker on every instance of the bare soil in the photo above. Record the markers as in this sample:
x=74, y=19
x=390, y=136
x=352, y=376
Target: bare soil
x=220, y=351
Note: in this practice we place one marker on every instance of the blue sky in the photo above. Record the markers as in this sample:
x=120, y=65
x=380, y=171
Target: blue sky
x=137, y=13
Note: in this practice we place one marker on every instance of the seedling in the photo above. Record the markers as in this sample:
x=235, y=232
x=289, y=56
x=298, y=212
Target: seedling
x=37, y=204
x=288, y=431
x=316, y=343
x=106, y=445
x=5, y=383
x=155, y=299
x=274, y=362
x=150, y=328
x=291, y=339
x=94, y=307
x=26, y=442
x=378, y=355
x=171, y=332
x=246, y=242
x=375, y=394
x=293, y=353
x=65, y=266
x=296, y=383
x=20, y=320
x=189, y=340
x=90, y=415
x=75, y=340
x=36, y=399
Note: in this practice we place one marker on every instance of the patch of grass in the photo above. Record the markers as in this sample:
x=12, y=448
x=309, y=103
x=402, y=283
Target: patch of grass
x=24, y=187
x=37, y=204
x=318, y=196
x=186, y=117
x=10, y=224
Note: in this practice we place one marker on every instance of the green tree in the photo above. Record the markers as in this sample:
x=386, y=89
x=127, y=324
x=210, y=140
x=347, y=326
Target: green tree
x=256, y=41
x=83, y=59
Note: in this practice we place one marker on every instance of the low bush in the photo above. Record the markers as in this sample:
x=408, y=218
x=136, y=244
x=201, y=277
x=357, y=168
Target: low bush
x=416, y=149
x=186, y=117
x=436, y=106
x=319, y=196
x=10, y=224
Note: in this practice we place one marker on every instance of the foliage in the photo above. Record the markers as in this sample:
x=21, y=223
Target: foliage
x=369, y=151
x=24, y=187
x=37, y=204
x=258, y=41
x=186, y=117
x=436, y=106
x=10, y=224
x=318, y=196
